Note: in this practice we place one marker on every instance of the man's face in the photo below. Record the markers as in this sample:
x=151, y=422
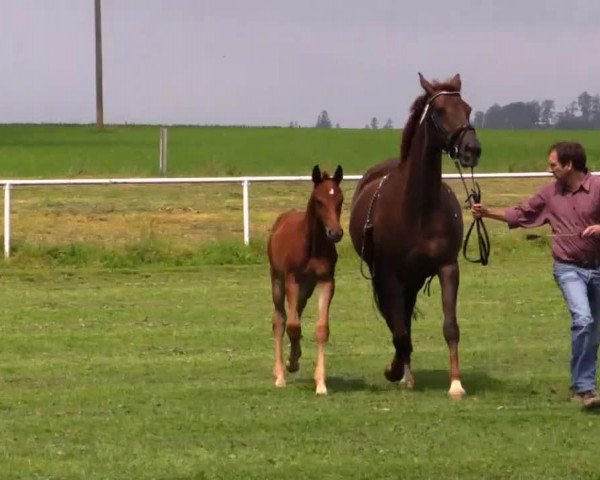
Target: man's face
x=560, y=172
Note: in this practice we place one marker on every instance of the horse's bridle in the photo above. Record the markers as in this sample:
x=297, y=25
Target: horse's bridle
x=452, y=139
x=452, y=147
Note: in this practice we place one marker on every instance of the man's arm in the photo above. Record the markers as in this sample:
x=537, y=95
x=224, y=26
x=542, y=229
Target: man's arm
x=481, y=211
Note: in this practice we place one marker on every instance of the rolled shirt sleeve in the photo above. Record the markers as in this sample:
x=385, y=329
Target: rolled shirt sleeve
x=531, y=213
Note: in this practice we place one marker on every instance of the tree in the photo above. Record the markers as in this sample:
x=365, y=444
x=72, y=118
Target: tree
x=493, y=117
x=323, y=120
x=572, y=109
x=547, y=113
x=513, y=115
x=595, y=111
x=479, y=120
x=374, y=123
x=389, y=124
x=584, y=101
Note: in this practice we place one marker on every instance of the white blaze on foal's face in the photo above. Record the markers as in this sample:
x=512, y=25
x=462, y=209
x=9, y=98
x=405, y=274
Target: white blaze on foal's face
x=331, y=191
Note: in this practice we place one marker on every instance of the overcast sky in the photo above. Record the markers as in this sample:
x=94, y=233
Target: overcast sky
x=270, y=62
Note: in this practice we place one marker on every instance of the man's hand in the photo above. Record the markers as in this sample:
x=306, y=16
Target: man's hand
x=478, y=210
x=591, y=231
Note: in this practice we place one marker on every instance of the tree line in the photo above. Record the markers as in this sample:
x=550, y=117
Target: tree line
x=582, y=114
x=323, y=121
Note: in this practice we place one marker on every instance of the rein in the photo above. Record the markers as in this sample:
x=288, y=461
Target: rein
x=483, y=239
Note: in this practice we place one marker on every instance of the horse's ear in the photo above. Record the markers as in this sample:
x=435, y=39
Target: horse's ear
x=316, y=175
x=426, y=85
x=338, y=175
x=455, y=82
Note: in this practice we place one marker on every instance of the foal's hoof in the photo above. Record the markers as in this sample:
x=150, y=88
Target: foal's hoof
x=321, y=389
x=456, y=391
x=280, y=382
x=292, y=367
x=393, y=373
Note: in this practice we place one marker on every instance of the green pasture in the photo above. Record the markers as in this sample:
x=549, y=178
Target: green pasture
x=135, y=340
x=165, y=373
x=32, y=151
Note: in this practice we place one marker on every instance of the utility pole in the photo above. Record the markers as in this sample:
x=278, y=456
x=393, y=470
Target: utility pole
x=99, y=96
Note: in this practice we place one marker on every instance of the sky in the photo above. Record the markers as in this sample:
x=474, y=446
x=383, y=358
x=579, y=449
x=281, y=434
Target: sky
x=272, y=62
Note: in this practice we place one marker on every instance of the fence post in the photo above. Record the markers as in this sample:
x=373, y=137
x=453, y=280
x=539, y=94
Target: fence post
x=163, y=151
x=7, y=220
x=246, y=208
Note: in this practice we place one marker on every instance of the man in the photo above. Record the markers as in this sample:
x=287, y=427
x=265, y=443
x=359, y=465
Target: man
x=571, y=205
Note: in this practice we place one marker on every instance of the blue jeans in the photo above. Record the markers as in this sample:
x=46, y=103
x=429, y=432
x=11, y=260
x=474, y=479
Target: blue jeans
x=581, y=289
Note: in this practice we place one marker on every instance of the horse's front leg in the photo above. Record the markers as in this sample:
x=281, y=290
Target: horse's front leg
x=279, y=318
x=293, y=327
x=326, y=291
x=449, y=280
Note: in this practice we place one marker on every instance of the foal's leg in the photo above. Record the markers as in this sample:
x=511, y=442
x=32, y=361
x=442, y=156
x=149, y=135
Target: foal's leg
x=293, y=328
x=326, y=291
x=278, y=291
x=449, y=280
x=305, y=289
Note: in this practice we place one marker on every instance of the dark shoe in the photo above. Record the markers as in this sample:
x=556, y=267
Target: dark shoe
x=591, y=399
x=588, y=400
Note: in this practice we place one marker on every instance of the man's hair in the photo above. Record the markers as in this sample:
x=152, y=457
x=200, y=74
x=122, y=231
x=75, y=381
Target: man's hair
x=570, y=152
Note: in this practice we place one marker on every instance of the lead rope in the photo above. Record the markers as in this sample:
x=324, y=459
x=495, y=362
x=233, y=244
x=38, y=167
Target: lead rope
x=483, y=239
x=368, y=225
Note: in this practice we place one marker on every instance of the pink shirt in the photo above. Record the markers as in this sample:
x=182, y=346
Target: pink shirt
x=568, y=213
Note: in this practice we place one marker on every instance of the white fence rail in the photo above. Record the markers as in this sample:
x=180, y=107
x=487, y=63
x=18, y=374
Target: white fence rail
x=244, y=181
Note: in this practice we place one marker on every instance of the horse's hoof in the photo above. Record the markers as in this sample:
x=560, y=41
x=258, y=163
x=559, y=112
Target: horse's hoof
x=456, y=392
x=409, y=383
x=394, y=374
x=280, y=382
x=292, y=367
x=321, y=389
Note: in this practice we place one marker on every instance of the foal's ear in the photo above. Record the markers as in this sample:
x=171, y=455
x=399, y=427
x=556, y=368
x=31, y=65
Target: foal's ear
x=456, y=82
x=426, y=85
x=338, y=175
x=316, y=175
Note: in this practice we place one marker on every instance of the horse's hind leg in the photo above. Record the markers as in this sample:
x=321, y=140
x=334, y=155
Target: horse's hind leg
x=278, y=291
x=449, y=280
x=326, y=291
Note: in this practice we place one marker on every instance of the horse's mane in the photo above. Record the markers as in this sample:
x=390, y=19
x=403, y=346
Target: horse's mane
x=416, y=110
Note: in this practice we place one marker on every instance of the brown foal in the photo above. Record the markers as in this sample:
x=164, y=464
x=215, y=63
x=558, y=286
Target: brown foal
x=302, y=255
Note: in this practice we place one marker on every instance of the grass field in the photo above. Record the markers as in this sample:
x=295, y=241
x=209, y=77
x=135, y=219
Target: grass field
x=165, y=373
x=135, y=340
x=116, y=151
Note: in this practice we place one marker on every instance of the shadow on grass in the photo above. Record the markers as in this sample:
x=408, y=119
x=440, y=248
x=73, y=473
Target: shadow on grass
x=341, y=384
x=473, y=381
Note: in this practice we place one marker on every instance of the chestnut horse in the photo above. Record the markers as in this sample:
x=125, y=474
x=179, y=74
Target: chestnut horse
x=302, y=255
x=406, y=224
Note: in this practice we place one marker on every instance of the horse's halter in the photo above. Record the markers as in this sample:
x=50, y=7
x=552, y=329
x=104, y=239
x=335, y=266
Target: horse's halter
x=452, y=140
